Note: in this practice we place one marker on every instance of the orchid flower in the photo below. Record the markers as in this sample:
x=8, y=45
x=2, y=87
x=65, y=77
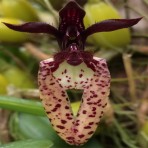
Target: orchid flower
x=74, y=68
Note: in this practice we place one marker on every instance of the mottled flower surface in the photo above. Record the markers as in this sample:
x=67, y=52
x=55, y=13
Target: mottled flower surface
x=74, y=68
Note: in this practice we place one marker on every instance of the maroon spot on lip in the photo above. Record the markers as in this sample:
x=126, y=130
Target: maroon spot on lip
x=92, y=92
x=89, y=103
x=91, y=132
x=60, y=126
x=67, y=114
x=63, y=121
x=94, y=113
x=66, y=107
x=77, y=124
x=84, y=111
x=96, y=80
x=45, y=88
x=103, y=64
x=60, y=85
x=99, y=101
x=70, y=141
x=65, y=71
x=95, y=95
x=75, y=130
x=70, y=138
x=102, y=112
x=104, y=105
x=69, y=118
x=58, y=105
x=100, y=116
x=88, y=99
x=91, y=97
x=103, y=93
x=63, y=92
x=80, y=75
x=91, y=123
x=94, y=109
x=50, y=119
x=51, y=83
x=91, y=116
x=87, y=127
x=63, y=95
x=81, y=136
x=48, y=112
x=54, y=110
x=97, y=123
x=87, y=87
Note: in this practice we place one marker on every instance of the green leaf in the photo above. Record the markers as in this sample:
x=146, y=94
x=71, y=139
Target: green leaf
x=24, y=126
x=22, y=105
x=27, y=106
x=29, y=144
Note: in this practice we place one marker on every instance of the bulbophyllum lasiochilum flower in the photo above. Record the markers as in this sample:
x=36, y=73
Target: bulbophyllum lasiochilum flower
x=74, y=68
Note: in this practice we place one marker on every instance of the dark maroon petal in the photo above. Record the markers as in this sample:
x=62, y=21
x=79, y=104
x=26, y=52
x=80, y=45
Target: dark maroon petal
x=110, y=25
x=71, y=15
x=34, y=27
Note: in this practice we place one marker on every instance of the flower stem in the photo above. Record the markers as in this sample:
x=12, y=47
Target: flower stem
x=129, y=71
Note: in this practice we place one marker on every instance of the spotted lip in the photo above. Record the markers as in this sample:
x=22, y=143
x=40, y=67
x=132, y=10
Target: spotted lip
x=95, y=82
x=74, y=68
